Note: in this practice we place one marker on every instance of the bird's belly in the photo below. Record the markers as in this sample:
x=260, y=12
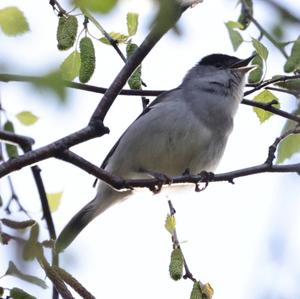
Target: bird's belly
x=195, y=150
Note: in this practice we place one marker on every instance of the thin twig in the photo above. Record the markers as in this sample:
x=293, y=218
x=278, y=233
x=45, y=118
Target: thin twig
x=14, y=197
x=188, y=274
x=283, y=90
x=131, y=92
x=269, y=107
x=113, y=43
x=273, y=147
x=265, y=83
x=80, y=86
x=26, y=144
x=277, y=44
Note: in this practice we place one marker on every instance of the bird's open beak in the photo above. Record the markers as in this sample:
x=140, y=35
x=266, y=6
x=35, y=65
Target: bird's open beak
x=242, y=65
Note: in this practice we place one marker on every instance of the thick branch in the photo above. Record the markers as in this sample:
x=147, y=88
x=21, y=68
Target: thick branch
x=52, y=149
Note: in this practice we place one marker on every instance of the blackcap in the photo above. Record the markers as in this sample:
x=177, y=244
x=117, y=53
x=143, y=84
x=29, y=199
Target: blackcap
x=183, y=128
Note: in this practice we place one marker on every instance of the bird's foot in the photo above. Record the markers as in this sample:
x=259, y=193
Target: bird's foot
x=161, y=178
x=206, y=177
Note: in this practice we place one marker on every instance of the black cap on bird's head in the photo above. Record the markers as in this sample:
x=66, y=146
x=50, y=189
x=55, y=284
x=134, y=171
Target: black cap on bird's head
x=223, y=61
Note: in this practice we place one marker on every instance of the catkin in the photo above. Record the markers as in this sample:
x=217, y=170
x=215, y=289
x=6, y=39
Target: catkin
x=176, y=264
x=66, y=32
x=88, y=59
x=135, y=81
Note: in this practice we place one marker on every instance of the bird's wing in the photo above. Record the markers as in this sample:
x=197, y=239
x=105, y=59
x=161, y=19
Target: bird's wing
x=158, y=100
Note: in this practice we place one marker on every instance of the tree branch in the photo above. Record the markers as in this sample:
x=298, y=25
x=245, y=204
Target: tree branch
x=265, y=83
x=80, y=86
x=50, y=150
x=158, y=30
x=269, y=107
x=277, y=44
x=131, y=92
x=112, y=42
x=24, y=142
x=121, y=183
x=294, y=93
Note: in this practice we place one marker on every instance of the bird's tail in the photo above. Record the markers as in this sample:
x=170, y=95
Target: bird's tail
x=105, y=197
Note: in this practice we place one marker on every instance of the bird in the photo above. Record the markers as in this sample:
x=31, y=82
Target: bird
x=185, y=128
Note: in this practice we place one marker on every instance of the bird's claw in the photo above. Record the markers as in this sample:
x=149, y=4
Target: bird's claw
x=206, y=177
x=161, y=178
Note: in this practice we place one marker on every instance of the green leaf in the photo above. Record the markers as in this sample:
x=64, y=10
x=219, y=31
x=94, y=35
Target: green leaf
x=291, y=144
x=118, y=37
x=196, y=291
x=71, y=66
x=170, y=223
x=261, y=50
x=277, y=30
x=52, y=82
x=101, y=6
x=246, y=13
x=293, y=61
x=27, y=118
x=265, y=97
x=132, y=23
x=255, y=75
x=234, y=25
x=12, y=21
x=30, y=246
x=235, y=37
x=14, y=271
x=17, y=224
x=54, y=200
x=11, y=149
x=290, y=84
x=16, y=293
x=135, y=80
